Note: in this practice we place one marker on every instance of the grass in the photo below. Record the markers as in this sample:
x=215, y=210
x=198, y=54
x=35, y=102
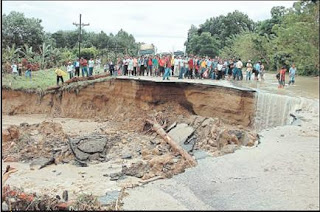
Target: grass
x=41, y=80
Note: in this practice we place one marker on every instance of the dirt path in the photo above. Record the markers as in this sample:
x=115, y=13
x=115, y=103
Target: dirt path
x=279, y=174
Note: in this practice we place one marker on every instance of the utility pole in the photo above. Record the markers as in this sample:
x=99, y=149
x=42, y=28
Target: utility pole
x=80, y=25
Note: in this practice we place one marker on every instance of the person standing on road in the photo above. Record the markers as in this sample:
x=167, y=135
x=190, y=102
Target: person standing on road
x=292, y=74
x=182, y=68
x=70, y=70
x=167, y=68
x=162, y=64
x=135, y=66
x=257, y=70
x=84, y=65
x=91, y=65
x=191, y=67
x=172, y=65
x=155, y=66
x=203, y=66
x=176, y=66
x=149, y=70
x=239, y=66
x=130, y=66
x=282, y=74
x=249, y=70
x=262, y=72
x=77, y=68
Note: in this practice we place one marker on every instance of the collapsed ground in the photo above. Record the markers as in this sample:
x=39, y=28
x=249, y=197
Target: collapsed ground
x=123, y=140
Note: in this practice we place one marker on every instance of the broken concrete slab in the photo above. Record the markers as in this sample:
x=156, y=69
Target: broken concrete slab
x=39, y=162
x=93, y=146
x=181, y=133
x=109, y=198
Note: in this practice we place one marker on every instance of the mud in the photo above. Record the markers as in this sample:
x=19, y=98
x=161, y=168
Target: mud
x=105, y=123
x=130, y=97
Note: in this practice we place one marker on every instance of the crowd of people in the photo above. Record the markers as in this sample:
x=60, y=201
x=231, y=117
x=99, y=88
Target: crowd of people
x=192, y=67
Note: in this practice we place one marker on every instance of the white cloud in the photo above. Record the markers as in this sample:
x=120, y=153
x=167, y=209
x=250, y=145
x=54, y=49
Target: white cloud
x=164, y=24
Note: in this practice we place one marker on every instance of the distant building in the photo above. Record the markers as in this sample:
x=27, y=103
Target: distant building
x=146, y=49
x=178, y=53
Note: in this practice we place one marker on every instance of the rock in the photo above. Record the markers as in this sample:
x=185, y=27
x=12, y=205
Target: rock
x=6, y=135
x=126, y=156
x=229, y=148
x=80, y=163
x=81, y=155
x=94, y=156
x=65, y=195
x=180, y=134
x=92, y=146
x=207, y=122
x=109, y=198
x=199, y=154
x=39, y=162
x=24, y=124
x=115, y=176
x=136, y=169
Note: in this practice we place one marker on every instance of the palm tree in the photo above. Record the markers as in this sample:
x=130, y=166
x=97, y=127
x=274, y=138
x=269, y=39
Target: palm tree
x=45, y=51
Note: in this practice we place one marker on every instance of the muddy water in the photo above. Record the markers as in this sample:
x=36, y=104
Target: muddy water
x=275, y=105
x=304, y=86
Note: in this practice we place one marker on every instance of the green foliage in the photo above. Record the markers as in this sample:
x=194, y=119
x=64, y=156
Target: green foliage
x=203, y=45
x=88, y=53
x=289, y=36
x=19, y=30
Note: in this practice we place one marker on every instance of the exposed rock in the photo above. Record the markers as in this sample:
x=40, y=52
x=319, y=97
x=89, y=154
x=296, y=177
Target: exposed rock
x=93, y=146
x=6, y=135
x=181, y=133
x=126, y=156
x=229, y=148
x=115, y=176
x=136, y=169
x=39, y=162
x=109, y=198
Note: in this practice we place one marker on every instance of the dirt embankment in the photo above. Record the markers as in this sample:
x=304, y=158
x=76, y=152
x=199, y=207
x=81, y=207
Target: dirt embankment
x=132, y=99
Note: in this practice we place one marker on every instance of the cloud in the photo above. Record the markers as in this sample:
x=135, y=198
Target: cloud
x=164, y=23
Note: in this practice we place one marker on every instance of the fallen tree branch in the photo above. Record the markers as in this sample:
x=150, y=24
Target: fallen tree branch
x=151, y=179
x=156, y=127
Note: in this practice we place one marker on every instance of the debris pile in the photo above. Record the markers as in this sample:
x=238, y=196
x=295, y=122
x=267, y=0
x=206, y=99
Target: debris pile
x=27, y=142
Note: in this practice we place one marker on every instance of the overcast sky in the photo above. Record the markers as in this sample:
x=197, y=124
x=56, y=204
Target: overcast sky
x=163, y=23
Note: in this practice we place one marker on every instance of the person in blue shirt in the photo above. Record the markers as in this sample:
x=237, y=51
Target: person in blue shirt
x=292, y=73
x=257, y=70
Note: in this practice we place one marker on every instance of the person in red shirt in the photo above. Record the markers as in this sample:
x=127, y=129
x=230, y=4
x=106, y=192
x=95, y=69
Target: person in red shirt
x=84, y=65
x=282, y=75
x=190, y=71
x=149, y=70
x=162, y=63
x=168, y=68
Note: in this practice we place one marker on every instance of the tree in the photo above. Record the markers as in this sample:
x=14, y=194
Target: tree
x=204, y=45
x=19, y=30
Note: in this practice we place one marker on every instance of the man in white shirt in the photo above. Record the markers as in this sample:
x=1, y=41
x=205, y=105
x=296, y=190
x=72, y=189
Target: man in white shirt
x=176, y=66
x=91, y=65
x=14, y=68
x=239, y=66
x=70, y=70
